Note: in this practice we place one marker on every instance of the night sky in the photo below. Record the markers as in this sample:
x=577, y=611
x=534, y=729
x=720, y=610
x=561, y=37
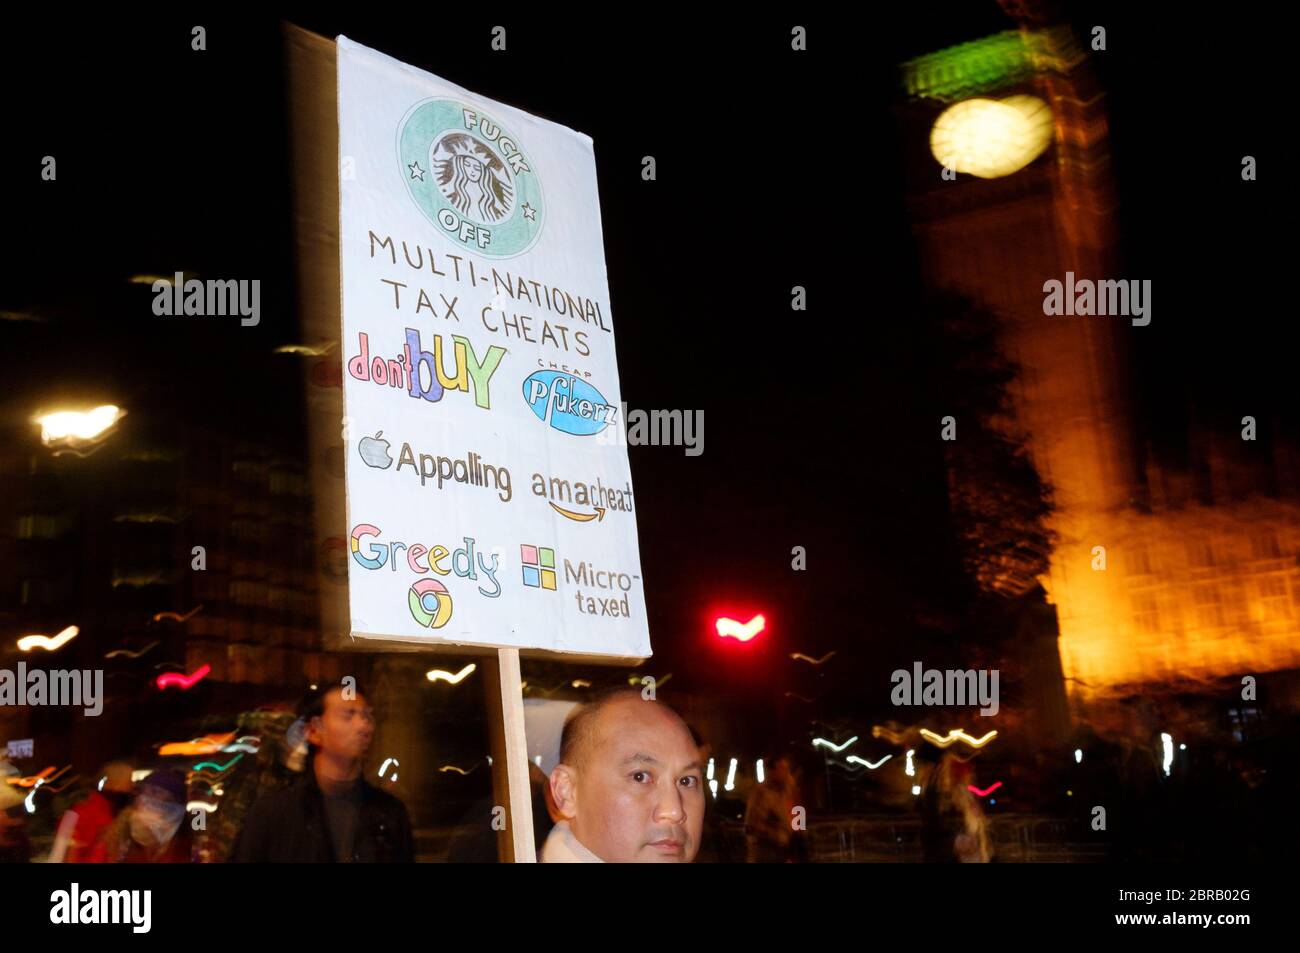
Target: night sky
x=774, y=170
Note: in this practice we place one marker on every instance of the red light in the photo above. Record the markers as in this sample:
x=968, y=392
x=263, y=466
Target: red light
x=743, y=632
x=986, y=792
x=184, y=681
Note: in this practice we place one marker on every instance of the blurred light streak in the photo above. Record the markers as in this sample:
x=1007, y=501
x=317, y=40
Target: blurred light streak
x=438, y=674
x=873, y=767
x=50, y=644
x=943, y=741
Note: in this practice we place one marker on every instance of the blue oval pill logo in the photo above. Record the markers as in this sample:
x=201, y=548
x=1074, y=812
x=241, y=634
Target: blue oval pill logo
x=567, y=403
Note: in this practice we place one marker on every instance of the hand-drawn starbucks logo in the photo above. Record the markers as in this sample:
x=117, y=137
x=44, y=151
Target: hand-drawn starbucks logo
x=470, y=178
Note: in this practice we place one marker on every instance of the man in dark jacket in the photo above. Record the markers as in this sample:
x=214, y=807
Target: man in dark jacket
x=331, y=814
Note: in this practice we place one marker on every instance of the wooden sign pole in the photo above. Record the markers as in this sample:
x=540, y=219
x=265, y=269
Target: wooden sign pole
x=511, y=789
x=313, y=120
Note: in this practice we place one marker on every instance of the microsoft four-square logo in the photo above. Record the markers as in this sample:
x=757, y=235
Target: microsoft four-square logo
x=539, y=566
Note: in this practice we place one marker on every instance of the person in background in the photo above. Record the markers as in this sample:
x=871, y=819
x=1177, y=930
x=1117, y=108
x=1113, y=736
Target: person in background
x=15, y=847
x=769, y=816
x=152, y=829
x=331, y=815
x=956, y=824
x=86, y=821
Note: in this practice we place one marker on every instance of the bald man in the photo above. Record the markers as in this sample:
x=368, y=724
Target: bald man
x=629, y=786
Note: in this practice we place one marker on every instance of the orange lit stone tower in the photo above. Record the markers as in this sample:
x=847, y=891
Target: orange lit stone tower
x=1193, y=586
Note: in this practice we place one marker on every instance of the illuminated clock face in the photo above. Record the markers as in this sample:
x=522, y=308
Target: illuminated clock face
x=990, y=138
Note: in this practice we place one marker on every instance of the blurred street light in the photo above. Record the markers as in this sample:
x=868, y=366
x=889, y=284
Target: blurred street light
x=76, y=429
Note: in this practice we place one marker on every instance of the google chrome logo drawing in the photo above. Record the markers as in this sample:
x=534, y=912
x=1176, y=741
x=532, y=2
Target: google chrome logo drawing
x=430, y=603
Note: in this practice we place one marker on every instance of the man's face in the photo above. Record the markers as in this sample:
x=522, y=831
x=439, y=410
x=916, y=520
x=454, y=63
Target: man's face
x=346, y=728
x=638, y=794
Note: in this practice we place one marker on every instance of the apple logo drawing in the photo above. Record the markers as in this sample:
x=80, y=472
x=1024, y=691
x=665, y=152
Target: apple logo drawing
x=375, y=451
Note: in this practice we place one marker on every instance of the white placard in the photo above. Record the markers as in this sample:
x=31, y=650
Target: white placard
x=487, y=501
